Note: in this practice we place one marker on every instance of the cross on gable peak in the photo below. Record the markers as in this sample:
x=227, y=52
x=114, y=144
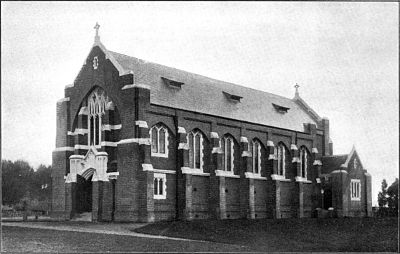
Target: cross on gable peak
x=97, y=37
x=297, y=89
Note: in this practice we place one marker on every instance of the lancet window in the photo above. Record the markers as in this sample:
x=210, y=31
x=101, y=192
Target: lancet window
x=97, y=102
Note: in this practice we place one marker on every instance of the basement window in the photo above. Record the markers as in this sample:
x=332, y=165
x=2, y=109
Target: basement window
x=172, y=83
x=232, y=97
x=160, y=186
x=280, y=109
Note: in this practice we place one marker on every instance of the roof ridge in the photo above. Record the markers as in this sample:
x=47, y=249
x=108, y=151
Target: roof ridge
x=213, y=79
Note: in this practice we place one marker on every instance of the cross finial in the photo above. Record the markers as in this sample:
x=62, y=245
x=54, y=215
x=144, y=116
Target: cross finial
x=297, y=89
x=97, y=37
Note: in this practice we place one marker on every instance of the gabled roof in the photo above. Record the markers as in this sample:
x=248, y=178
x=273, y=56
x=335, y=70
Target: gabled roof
x=335, y=162
x=205, y=95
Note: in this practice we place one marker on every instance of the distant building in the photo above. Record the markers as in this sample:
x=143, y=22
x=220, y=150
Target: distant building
x=138, y=141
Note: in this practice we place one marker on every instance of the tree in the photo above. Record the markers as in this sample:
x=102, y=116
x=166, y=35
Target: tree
x=21, y=183
x=382, y=195
x=393, y=197
x=41, y=185
x=16, y=178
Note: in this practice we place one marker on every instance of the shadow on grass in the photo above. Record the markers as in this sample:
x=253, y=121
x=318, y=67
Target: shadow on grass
x=335, y=234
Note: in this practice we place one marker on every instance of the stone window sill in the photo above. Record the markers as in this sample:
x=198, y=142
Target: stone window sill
x=194, y=171
x=149, y=167
x=300, y=179
x=162, y=155
x=226, y=174
x=252, y=175
x=280, y=178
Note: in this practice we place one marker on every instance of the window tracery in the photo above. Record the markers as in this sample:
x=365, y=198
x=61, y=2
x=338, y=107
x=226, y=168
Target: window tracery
x=96, y=104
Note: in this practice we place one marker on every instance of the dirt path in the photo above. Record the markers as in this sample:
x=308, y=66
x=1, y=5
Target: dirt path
x=113, y=229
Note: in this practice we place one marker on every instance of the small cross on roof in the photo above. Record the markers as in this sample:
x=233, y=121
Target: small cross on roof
x=97, y=26
x=297, y=89
x=97, y=37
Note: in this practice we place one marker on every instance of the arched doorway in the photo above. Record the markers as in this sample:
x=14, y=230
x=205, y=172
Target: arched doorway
x=98, y=121
x=83, y=194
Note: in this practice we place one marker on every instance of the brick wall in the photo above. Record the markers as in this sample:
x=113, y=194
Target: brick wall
x=133, y=188
x=356, y=208
x=307, y=198
x=232, y=192
x=200, y=192
x=260, y=198
x=165, y=209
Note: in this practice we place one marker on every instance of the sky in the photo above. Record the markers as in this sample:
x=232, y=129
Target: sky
x=344, y=56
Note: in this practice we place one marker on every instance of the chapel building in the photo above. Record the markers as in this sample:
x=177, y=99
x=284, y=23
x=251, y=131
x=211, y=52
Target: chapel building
x=139, y=141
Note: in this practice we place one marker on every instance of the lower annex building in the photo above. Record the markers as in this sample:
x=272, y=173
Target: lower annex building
x=138, y=141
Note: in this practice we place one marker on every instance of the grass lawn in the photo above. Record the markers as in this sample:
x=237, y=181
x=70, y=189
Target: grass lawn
x=28, y=240
x=335, y=234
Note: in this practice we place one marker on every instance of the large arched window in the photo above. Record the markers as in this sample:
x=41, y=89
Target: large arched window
x=303, y=161
x=195, y=141
x=281, y=155
x=159, y=141
x=97, y=102
x=256, y=152
x=228, y=149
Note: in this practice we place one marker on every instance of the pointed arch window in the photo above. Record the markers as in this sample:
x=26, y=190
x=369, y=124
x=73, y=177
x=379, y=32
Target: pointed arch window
x=228, y=149
x=256, y=152
x=159, y=141
x=97, y=102
x=281, y=154
x=195, y=141
x=303, y=161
